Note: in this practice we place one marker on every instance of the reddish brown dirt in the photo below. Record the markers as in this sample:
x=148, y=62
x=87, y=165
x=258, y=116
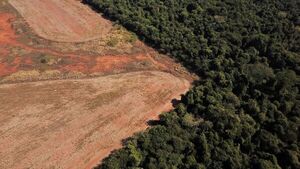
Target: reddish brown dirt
x=28, y=57
x=54, y=20
x=8, y=40
x=75, y=123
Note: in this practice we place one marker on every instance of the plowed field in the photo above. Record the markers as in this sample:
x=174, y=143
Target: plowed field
x=73, y=85
x=66, y=21
x=75, y=123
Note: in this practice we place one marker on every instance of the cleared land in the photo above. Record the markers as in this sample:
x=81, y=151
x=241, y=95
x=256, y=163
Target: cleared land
x=66, y=21
x=22, y=53
x=74, y=123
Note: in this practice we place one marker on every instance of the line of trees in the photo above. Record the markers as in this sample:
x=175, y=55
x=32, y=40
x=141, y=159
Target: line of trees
x=245, y=112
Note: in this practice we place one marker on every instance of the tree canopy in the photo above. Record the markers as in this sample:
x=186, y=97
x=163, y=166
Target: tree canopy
x=245, y=110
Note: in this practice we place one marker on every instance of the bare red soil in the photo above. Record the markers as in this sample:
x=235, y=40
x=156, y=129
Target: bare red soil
x=16, y=56
x=75, y=123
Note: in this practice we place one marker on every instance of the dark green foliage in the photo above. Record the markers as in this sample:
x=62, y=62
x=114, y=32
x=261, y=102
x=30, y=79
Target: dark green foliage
x=245, y=112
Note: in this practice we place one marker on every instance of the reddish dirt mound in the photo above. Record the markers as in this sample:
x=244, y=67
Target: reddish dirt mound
x=75, y=123
x=66, y=21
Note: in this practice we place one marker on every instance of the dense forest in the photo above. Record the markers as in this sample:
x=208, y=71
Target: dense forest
x=245, y=110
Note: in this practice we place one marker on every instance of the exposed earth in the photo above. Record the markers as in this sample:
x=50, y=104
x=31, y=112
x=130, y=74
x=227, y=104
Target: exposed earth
x=72, y=88
x=75, y=123
x=54, y=20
